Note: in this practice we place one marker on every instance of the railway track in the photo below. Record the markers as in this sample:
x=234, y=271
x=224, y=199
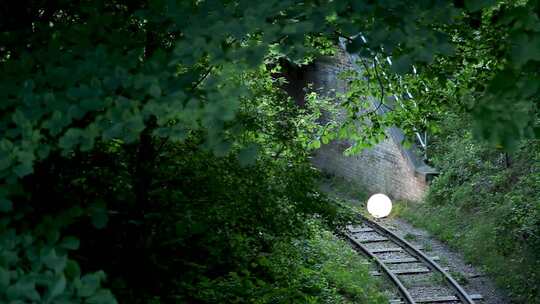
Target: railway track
x=407, y=266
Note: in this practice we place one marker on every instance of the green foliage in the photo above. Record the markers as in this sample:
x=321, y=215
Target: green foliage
x=48, y=275
x=226, y=227
x=214, y=214
x=318, y=269
x=484, y=63
x=486, y=203
x=158, y=131
x=178, y=62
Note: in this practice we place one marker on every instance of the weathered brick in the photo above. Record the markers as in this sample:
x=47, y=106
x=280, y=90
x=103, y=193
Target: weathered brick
x=381, y=169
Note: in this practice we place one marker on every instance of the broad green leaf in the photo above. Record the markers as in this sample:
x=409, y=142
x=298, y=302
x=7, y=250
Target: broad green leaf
x=19, y=118
x=72, y=269
x=325, y=139
x=23, y=169
x=53, y=261
x=24, y=289
x=70, y=243
x=154, y=91
x=102, y=297
x=4, y=278
x=71, y=139
x=90, y=283
x=316, y=144
x=5, y=205
x=5, y=161
x=175, y=133
x=52, y=234
x=100, y=218
x=56, y=123
x=57, y=288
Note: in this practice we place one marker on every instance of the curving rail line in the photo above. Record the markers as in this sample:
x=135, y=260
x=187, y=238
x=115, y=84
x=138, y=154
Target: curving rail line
x=384, y=235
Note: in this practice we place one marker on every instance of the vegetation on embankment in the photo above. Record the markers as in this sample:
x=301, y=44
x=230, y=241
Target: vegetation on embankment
x=487, y=204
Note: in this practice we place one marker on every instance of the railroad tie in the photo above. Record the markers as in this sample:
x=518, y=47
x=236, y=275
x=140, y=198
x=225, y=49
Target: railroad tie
x=374, y=240
x=361, y=230
x=406, y=260
x=391, y=249
x=445, y=299
x=415, y=255
x=419, y=270
x=385, y=250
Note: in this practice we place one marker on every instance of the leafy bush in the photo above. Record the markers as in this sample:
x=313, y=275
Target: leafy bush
x=39, y=271
x=173, y=220
x=487, y=204
x=317, y=269
x=215, y=231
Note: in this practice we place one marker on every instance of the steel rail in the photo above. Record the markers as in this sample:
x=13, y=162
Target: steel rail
x=401, y=289
x=461, y=293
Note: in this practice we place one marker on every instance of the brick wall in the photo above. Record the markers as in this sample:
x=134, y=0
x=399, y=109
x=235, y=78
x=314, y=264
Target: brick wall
x=386, y=168
x=381, y=169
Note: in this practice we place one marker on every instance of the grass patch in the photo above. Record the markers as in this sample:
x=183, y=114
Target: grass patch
x=459, y=277
x=329, y=267
x=477, y=238
x=410, y=237
x=427, y=247
x=443, y=261
x=318, y=269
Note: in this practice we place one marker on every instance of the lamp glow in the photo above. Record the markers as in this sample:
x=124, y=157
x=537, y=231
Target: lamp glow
x=379, y=205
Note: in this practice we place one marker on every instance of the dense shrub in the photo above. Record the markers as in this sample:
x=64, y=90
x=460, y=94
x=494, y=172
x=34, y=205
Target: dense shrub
x=174, y=221
x=318, y=269
x=215, y=231
x=36, y=270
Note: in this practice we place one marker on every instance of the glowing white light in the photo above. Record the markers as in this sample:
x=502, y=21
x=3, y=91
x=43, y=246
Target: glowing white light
x=379, y=205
